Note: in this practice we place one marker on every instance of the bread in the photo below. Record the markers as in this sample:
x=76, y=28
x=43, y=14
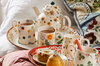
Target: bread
x=43, y=54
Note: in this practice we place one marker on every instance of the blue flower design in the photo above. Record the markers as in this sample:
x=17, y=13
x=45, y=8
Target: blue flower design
x=27, y=20
x=29, y=36
x=19, y=31
x=42, y=37
x=29, y=42
x=65, y=41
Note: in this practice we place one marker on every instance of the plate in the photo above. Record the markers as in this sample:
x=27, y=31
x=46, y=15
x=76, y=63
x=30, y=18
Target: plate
x=12, y=36
x=36, y=59
x=32, y=53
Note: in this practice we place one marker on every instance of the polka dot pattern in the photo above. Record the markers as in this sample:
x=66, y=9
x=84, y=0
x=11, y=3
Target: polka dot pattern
x=27, y=20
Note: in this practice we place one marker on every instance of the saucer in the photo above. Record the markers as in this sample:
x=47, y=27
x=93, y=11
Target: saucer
x=12, y=36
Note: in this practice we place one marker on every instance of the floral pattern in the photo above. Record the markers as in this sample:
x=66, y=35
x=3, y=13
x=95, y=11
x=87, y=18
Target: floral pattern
x=89, y=63
x=91, y=37
x=91, y=25
x=81, y=56
x=49, y=37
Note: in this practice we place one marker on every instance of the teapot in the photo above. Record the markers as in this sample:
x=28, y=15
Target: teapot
x=52, y=16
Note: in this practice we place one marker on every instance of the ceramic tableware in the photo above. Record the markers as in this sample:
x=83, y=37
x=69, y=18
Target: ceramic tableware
x=58, y=48
x=87, y=57
x=71, y=39
x=52, y=16
x=26, y=31
x=12, y=36
x=47, y=35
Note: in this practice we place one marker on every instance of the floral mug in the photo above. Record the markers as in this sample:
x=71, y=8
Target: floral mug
x=86, y=57
x=71, y=39
x=47, y=35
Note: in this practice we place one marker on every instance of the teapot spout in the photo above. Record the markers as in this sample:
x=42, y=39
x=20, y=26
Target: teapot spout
x=36, y=11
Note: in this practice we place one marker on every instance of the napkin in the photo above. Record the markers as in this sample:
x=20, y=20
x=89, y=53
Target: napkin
x=17, y=58
x=86, y=14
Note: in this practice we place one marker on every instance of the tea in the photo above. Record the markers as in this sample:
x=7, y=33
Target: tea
x=26, y=23
x=47, y=31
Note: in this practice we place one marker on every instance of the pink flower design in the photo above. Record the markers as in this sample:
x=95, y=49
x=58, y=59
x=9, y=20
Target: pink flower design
x=92, y=25
x=91, y=37
x=87, y=55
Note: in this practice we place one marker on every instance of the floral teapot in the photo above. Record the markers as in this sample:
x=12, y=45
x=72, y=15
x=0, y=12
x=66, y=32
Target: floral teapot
x=52, y=16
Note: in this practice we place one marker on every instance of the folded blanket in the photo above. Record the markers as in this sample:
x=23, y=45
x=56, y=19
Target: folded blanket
x=17, y=58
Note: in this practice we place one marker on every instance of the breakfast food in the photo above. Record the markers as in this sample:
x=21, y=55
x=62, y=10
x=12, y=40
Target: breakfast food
x=55, y=60
x=43, y=54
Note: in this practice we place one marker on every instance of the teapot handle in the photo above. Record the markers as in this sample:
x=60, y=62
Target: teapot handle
x=68, y=20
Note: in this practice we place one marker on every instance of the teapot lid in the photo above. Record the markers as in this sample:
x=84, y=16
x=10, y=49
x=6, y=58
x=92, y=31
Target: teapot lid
x=52, y=9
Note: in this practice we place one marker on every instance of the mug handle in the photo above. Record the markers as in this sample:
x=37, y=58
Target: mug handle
x=70, y=51
x=82, y=40
x=56, y=33
x=69, y=23
x=14, y=25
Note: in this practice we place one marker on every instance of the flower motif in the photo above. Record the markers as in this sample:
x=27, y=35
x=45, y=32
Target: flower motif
x=42, y=18
x=49, y=23
x=55, y=20
x=49, y=37
x=91, y=25
x=41, y=43
x=52, y=12
x=94, y=22
x=74, y=42
x=42, y=37
x=55, y=7
x=87, y=55
x=91, y=37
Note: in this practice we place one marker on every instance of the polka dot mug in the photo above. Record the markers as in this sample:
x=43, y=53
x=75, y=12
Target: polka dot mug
x=26, y=31
x=71, y=39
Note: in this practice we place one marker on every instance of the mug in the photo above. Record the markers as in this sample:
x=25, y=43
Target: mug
x=71, y=39
x=26, y=31
x=47, y=35
x=86, y=57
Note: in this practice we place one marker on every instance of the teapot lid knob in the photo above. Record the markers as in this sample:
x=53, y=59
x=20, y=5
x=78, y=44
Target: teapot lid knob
x=52, y=3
